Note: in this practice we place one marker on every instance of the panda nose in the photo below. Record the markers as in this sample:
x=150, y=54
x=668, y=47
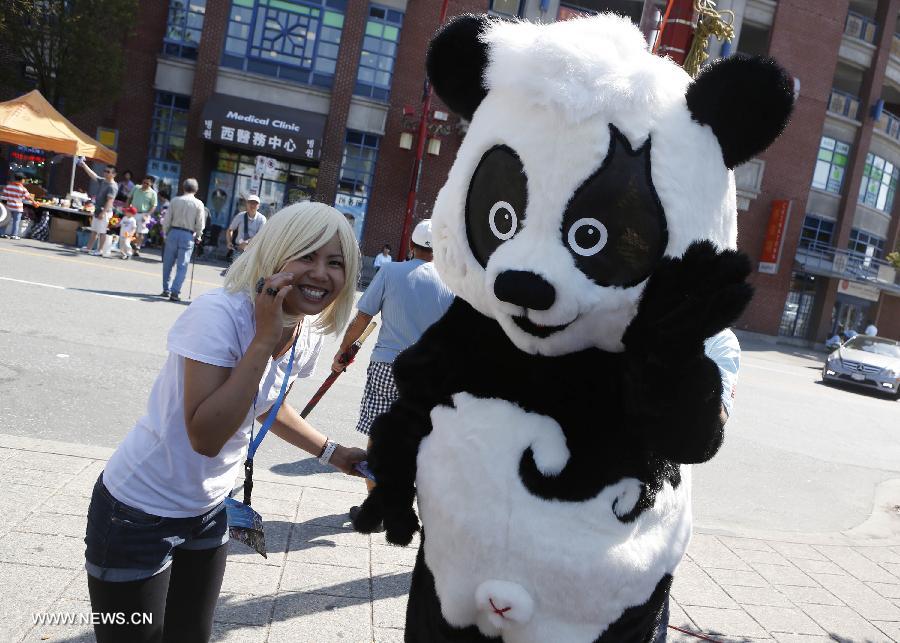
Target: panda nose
x=523, y=288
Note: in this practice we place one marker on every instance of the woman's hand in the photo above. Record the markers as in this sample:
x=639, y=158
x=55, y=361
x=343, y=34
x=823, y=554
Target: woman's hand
x=267, y=309
x=344, y=458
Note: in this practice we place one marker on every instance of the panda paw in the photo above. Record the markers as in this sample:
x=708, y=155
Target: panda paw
x=690, y=298
x=399, y=523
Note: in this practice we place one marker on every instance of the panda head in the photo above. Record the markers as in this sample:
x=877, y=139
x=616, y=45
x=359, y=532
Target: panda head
x=587, y=160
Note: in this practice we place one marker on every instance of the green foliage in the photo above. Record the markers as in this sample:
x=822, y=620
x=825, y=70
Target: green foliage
x=70, y=50
x=894, y=258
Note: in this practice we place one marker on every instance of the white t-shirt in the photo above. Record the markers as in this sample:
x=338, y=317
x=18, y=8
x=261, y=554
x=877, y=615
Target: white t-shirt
x=725, y=350
x=381, y=259
x=155, y=469
x=127, y=226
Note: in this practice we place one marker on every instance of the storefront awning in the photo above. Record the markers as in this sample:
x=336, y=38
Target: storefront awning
x=31, y=121
x=268, y=130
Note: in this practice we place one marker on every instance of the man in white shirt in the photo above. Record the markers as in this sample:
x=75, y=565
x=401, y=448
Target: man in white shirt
x=383, y=257
x=244, y=226
x=182, y=226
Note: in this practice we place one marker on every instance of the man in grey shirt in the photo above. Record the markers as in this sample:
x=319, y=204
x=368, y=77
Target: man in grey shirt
x=103, y=204
x=183, y=226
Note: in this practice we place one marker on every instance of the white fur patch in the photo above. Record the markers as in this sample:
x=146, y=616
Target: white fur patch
x=554, y=90
x=567, y=569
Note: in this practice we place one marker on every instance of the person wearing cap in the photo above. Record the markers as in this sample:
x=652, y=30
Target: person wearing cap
x=410, y=297
x=244, y=226
x=127, y=228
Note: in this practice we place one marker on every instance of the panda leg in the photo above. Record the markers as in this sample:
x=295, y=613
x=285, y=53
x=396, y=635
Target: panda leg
x=639, y=624
x=424, y=621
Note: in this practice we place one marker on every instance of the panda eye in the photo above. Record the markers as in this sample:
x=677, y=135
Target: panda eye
x=496, y=201
x=614, y=225
x=587, y=237
x=503, y=220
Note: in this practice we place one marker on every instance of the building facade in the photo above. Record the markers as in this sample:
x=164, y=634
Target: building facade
x=322, y=99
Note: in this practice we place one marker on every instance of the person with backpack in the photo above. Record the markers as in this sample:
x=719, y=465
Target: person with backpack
x=244, y=226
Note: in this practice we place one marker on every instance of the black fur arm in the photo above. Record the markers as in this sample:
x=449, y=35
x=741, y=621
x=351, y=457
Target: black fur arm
x=396, y=436
x=673, y=391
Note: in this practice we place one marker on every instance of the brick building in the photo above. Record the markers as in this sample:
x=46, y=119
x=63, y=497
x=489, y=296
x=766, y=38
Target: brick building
x=321, y=98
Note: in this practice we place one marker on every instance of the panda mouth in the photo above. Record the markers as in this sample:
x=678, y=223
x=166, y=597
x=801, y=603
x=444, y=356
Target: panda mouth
x=536, y=329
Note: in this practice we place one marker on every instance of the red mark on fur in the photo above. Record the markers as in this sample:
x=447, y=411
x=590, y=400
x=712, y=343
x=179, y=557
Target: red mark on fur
x=499, y=612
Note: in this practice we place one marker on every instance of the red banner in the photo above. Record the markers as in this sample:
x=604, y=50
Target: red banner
x=771, y=250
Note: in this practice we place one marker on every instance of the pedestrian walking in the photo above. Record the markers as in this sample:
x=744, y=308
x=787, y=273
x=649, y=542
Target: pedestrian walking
x=243, y=227
x=156, y=528
x=103, y=205
x=183, y=226
x=16, y=196
x=410, y=297
x=127, y=228
x=144, y=200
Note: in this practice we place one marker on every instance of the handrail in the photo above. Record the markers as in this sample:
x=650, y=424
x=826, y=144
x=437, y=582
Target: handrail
x=825, y=259
x=889, y=124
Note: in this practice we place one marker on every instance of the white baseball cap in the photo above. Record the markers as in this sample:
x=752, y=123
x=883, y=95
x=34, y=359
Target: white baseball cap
x=252, y=197
x=421, y=235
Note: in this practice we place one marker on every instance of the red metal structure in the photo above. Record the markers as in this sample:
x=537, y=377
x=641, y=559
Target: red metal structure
x=676, y=30
x=421, y=136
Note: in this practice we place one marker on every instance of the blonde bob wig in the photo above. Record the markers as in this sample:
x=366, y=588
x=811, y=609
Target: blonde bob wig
x=291, y=233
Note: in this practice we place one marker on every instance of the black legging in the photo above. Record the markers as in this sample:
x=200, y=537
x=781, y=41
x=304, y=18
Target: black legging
x=181, y=601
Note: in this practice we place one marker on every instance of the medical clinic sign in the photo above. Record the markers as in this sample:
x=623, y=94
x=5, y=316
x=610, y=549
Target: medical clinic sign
x=266, y=129
x=774, y=239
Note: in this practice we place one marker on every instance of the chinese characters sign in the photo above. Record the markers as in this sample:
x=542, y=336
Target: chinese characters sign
x=272, y=130
x=771, y=253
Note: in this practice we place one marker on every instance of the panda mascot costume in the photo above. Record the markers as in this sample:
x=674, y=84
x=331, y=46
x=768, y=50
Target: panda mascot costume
x=546, y=423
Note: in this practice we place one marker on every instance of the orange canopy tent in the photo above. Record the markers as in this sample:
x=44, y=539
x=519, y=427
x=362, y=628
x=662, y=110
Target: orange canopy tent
x=31, y=121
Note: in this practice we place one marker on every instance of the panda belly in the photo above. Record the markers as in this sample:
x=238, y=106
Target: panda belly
x=526, y=568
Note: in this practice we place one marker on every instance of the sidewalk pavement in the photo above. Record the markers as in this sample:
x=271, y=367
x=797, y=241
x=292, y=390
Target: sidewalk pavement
x=323, y=582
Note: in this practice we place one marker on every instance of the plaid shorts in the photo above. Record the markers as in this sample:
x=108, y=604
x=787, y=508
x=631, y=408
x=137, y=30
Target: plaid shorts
x=379, y=394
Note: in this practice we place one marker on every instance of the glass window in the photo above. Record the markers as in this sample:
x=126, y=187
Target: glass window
x=376, y=62
x=355, y=178
x=879, y=183
x=795, y=316
x=816, y=233
x=505, y=7
x=296, y=41
x=185, y=23
x=831, y=165
x=865, y=246
x=167, y=138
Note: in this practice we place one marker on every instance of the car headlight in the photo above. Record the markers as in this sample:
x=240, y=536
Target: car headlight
x=891, y=373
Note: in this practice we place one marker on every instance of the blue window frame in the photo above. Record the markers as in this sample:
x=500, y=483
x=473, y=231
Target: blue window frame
x=817, y=233
x=879, y=183
x=865, y=245
x=167, y=133
x=355, y=178
x=183, y=29
x=379, y=50
x=831, y=164
x=295, y=41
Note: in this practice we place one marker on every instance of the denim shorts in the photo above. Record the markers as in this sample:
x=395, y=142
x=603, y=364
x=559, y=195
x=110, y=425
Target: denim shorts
x=127, y=544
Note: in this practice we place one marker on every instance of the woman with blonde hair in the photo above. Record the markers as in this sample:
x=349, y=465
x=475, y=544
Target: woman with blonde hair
x=157, y=530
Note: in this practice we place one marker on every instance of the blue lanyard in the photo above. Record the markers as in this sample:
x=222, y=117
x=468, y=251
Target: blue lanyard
x=270, y=418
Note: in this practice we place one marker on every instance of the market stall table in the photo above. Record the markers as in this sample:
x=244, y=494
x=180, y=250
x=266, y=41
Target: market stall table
x=64, y=222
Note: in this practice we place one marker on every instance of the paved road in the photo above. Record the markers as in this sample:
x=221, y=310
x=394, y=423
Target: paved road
x=81, y=346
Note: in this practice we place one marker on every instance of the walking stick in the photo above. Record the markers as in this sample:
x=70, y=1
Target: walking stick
x=346, y=359
x=193, y=265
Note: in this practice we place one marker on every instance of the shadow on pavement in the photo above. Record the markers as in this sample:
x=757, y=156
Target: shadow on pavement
x=305, y=467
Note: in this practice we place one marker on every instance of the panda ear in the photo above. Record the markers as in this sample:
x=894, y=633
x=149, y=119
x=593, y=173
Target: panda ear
x=456, y=62
x=746, y=100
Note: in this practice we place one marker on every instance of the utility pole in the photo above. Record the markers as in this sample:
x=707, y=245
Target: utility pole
x=421, y=136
